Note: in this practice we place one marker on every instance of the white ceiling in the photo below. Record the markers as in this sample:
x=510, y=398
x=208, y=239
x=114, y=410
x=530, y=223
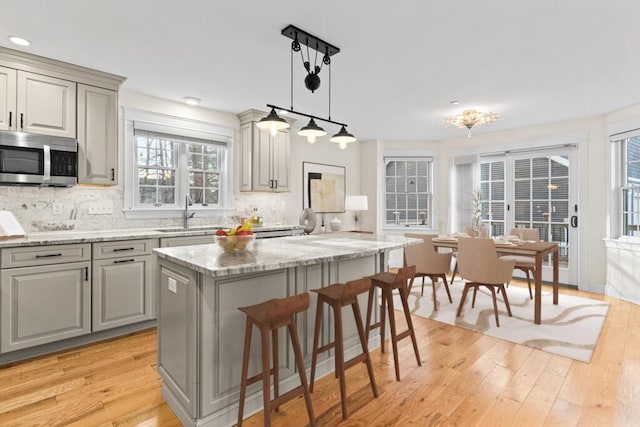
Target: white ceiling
x=534, y=62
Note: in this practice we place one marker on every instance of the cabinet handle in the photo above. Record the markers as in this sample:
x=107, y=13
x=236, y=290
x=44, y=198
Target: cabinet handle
x=86, y=274
x=123, y=249
x=120, y=261
x=10, y=118
x=21, y=121
x=270, y=183
x=48, y=255
x=113, y=174
x=276, y=183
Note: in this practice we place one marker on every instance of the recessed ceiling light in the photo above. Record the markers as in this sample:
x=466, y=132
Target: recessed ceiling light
x=19, y=41
x=454, y=102
x=191, y=100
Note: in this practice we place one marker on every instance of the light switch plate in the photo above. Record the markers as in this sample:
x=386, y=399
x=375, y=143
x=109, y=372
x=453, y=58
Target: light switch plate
x=173, y=285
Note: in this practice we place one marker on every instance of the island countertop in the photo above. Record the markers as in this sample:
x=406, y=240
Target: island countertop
x=285, y=252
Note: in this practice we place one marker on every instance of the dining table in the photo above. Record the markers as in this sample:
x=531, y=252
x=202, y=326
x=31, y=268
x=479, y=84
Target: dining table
x=527, y=248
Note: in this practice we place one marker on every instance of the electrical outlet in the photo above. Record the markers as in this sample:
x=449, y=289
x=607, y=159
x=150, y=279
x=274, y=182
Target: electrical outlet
x=100, y=208
x=57, y=208
x=173, y=285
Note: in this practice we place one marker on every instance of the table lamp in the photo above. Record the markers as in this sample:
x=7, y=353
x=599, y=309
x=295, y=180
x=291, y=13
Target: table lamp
x=357, y=204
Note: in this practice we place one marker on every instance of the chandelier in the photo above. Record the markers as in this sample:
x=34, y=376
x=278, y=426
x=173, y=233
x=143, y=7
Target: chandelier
x=470, y=118
x=311, y=131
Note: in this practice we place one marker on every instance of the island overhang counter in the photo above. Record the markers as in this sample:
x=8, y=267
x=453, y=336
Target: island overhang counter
x=201, y=330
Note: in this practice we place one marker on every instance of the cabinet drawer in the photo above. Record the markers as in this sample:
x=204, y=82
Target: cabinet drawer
x=170, y=242
x=44, y=255
x=123, y=248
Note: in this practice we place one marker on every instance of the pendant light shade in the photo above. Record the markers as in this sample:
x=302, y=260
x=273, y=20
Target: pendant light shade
x=343, y=138
x=311, y=131
x=273, y=123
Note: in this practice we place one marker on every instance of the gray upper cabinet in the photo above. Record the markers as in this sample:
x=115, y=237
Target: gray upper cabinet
x=49, y=97
x=7, y=98
x=97, y=135
x=46, y=105
x=34, y=103
x=264, y=159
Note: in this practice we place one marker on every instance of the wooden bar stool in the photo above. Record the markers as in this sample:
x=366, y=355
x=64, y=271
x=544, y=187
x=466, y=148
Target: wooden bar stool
x=387, y=282
x=268, y=317
x=338, y=296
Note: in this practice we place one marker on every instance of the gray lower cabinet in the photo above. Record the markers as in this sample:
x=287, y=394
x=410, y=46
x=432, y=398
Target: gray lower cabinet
x=44, y=304
x=122, y=291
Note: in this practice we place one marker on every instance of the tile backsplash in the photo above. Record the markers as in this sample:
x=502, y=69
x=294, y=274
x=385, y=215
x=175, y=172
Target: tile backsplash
x=100, y=208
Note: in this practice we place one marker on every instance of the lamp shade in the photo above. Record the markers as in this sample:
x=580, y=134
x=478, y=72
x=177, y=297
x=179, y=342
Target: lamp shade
x=273, y=122
x=312, y=131
x=356, y=203
x=343, y=138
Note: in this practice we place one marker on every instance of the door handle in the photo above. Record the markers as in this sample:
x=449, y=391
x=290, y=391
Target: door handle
x=574, y=221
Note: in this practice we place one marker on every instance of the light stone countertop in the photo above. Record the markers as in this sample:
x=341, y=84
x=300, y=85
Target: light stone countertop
x=285, y=252
x=92, y=236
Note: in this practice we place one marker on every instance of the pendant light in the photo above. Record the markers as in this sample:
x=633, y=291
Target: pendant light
x=343, y=138
x=312, y=131
x=313, y=66
x=273, y=123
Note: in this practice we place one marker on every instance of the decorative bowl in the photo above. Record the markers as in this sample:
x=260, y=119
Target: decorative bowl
x=235, y=243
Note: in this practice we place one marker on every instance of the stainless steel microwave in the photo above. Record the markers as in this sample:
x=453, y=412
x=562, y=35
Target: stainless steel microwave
x=30, y=159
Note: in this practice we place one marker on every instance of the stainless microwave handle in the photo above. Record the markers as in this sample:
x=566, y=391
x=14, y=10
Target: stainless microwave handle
x=46, y=178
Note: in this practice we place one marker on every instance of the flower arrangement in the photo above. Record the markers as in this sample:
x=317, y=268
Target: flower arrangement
x=476, y=207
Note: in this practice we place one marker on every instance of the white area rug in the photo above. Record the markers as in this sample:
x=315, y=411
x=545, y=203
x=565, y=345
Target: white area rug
x=569, y=329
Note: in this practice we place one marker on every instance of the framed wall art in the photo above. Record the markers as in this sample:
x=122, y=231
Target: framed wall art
x=323, y=187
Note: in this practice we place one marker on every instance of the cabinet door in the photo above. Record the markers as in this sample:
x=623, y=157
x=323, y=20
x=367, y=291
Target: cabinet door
x=262, y=177
x=44, y=304
x=121, y=292
x=281, y=161
x=7, y=98
x=46, y=105
x=97, y=135
x=244, y=157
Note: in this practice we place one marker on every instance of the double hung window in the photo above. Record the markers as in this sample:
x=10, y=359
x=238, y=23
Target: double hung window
x=408, y=190
x=628, y=148
x=170, y=166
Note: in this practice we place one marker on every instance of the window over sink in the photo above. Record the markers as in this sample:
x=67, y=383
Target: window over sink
x=170, y=162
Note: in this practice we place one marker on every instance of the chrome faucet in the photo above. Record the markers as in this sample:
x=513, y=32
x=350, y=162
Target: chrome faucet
x=187, y=215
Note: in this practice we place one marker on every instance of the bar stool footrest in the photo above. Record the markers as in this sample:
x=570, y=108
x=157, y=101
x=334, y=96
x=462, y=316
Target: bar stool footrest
x=291, y=394
x=356, y=360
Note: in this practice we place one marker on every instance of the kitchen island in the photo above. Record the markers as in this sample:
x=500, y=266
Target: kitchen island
x=200, y=330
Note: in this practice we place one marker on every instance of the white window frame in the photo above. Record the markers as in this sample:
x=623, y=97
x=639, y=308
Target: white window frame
x=617, y=177
x=162, y=123
x=431, y=210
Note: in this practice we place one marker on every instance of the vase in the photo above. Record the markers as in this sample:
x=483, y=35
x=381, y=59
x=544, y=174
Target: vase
x=335, y=224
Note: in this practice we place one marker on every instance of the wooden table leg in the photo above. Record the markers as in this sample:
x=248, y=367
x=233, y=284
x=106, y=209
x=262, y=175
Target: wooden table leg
x=537, y=274
x=556, y=254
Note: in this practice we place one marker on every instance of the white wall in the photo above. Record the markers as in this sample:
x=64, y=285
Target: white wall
x=589, y=134
x=324, y=152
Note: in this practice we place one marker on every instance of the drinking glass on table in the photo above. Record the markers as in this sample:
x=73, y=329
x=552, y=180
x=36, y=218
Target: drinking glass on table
x=521, y=231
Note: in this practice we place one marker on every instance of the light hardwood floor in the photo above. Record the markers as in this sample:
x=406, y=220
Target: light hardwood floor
x=466, y=379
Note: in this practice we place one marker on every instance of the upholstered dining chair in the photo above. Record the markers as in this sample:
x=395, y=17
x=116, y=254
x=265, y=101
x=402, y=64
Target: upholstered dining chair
x=479, y=264
x=525, y=263
x=429, y=263
x=482, y=232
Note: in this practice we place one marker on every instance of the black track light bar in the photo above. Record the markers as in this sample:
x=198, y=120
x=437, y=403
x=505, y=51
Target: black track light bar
x=307, y=115
x=309, y=40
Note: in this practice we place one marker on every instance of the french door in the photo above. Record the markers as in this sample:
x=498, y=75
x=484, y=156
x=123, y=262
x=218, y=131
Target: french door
x=535, y=189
